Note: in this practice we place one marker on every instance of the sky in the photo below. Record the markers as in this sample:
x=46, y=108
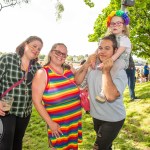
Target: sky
x=38, y=18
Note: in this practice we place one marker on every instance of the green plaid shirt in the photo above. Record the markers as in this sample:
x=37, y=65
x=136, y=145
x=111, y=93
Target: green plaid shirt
x=10, y=73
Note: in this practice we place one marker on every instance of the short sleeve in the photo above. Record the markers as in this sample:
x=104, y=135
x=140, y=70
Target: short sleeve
x=125, y=42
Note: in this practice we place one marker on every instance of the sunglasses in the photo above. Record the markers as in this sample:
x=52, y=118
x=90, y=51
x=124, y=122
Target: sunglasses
x=118, y=23
x=58, y=53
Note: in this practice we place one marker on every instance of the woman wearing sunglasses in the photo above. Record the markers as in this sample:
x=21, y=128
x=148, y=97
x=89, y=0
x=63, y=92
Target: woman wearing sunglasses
x=57, y=100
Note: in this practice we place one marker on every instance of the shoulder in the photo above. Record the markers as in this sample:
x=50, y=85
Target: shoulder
x=125, y=41
x=9, y=57
x=35, y=66
x=68, y=72
x=40, y=74
x=125, y=38
x=38, y=65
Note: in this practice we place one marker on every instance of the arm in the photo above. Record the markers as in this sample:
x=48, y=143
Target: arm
x=81, y=73
x=124, y=43
x=119, y=51
x=38, y=85
x=109, y=88
x=72, y=69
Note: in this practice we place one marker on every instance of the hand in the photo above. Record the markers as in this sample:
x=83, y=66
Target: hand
x=91, y=61
x=55, y=128
x=2, y=113
x=107, y=65
x=100, y=66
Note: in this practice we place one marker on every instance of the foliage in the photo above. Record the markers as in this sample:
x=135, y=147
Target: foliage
x=59, y=10
x=139, y=26
x=89, y=3
x=41, y=57
x=133, y=136
x=69, y=58
x=80, y=57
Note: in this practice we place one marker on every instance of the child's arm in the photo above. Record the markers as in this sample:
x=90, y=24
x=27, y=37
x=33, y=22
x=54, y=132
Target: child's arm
x=119, y=51
x=116, y=55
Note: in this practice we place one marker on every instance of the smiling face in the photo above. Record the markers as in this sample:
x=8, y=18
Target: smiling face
x=58, y=54
x=117, y=25
x=105, y=49
x=32, y=49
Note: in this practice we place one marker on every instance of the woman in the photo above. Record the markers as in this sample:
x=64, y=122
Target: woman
x=60, y=95
x=13, y=67
x=108, y=117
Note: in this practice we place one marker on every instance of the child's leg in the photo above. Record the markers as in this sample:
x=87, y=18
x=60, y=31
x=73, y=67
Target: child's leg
x=101, y=97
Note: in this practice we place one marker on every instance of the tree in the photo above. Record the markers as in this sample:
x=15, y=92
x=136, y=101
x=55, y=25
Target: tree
x=80, y=57
x=59, y=6
x=8, y=3
x=139, y=26
x=70, y=58
x=41, y=57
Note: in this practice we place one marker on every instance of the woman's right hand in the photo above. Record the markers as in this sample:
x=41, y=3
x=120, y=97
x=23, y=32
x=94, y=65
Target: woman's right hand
x=56, y=129
x=2, y=113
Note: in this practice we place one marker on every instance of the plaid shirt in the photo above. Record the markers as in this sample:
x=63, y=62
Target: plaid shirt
x=10, y=73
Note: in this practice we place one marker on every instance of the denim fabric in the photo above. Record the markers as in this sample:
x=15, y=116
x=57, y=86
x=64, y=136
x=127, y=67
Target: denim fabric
x=131, y=81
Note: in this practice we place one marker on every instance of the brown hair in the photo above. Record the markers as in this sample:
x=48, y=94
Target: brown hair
x=20, y=48
x=112, y=38
x=53, y=47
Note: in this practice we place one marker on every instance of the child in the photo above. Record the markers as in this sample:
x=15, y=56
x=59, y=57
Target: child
x=117, y=22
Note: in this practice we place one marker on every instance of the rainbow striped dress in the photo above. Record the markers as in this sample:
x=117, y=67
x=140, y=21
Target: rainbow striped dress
x=62, y=102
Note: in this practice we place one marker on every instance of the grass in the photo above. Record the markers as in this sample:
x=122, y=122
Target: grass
x=135, y=134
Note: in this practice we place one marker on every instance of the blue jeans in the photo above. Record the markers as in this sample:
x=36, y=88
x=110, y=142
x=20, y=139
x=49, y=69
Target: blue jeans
x=131, y=81
x=13, y=132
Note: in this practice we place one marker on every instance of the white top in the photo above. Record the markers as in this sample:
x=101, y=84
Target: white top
x=124, y=41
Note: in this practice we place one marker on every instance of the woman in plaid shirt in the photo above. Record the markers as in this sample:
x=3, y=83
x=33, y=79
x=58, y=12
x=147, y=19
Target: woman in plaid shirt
x=13, y=67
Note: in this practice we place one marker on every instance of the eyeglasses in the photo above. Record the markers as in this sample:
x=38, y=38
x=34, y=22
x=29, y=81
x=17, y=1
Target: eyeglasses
x=118, y=23
x=58, y=53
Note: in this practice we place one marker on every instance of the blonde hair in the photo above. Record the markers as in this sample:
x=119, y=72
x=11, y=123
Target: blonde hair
x=53, y=47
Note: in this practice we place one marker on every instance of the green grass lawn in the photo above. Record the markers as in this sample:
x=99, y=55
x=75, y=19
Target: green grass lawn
x=135, y=134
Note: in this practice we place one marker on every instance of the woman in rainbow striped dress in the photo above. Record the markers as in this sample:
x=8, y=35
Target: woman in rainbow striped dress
x=56, y=98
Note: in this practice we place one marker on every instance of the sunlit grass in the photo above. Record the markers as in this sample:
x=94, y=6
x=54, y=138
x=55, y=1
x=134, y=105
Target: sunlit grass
x=135, y=134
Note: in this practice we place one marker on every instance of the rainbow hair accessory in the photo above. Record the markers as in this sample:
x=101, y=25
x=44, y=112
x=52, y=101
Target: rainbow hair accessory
x=118, y=13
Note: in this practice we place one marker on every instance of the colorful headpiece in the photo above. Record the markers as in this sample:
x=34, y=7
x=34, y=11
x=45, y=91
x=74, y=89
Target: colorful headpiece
x=118, y=13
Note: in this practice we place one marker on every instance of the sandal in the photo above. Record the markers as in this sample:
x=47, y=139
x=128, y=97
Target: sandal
x=95, y=147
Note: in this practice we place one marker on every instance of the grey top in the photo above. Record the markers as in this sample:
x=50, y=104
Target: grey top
x=108, y=111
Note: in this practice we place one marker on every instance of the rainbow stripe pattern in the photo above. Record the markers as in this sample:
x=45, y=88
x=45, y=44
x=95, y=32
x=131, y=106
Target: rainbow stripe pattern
x=62, y=102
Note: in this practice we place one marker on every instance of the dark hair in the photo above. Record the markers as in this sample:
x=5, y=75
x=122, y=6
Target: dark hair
x=53, y=48
x=112, y=38
x=82, y=62
x=20, y=48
